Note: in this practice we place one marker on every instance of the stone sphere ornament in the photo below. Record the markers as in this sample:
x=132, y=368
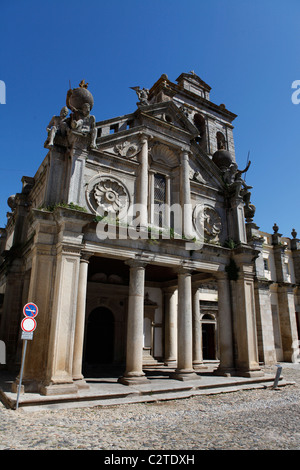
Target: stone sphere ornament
x=222, y=158
x=77, y=97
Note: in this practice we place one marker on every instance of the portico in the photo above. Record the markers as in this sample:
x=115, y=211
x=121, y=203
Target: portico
x=122, y=224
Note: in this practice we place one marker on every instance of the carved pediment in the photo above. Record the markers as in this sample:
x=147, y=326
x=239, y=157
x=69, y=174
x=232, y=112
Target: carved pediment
x=169, y=113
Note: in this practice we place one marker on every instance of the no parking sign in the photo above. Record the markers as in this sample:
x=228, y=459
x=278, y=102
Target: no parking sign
x=28, y=325
x=30, y=310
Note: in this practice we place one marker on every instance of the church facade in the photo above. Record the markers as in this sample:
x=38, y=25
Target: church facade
x=136, y=240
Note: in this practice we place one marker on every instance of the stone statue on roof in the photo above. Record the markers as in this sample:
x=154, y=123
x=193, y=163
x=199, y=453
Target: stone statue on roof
x=80, y=101
x=57, y=125
x=143, y=95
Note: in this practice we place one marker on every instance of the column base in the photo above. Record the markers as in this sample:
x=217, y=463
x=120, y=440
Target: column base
x=28, y=386
x=133, y=379
x=184, y=375
x=225, y=372
x=199, y=366
x=250, y=373
x=170, y=362
x=59, y=389
x=81, y=384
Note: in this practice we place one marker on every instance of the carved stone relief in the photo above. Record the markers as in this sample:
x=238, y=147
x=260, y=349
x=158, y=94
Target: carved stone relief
x=207, y=222
x=160, y=153
x=128, y=149
x=212, y=223
x=107, y=195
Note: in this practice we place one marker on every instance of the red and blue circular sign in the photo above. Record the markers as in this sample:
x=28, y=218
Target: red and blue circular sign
x=30, y=310
x=28, y=324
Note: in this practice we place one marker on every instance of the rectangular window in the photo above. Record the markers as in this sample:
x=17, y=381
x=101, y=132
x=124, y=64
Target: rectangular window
x=266, y=264
x=159, y=198
x=113, y=129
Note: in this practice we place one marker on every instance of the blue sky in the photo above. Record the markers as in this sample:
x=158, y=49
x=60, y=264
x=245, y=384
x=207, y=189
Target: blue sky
x=246, y=50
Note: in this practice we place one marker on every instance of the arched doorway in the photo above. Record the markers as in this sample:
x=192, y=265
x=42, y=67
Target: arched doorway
x=208, y=337
x=99, y=341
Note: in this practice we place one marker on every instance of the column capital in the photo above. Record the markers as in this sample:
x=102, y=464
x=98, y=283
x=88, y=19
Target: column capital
x=186, y=151
x=136, y=263
x=85, y=256
x=184, y=270
x=144, y=138
x=221, y=276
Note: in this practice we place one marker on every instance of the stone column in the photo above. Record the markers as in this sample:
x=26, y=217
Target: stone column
x=187, y=216
x=80, y=322
x=170, y=327
x=142, y=195
x=135, y=322
x=197, y=330
x=225, y=328
x=184, y=369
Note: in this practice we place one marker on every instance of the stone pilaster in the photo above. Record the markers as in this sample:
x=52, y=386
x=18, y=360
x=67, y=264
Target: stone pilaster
x=286, y=297
x=288, y=325
x=59, y=370
x=225, y=327
x=75, y=176
x=142, y=186
x=265, y=333
x=236, y=216
x=12, y=310
x=60, y=358
x=246, y=361
x=185, y=190
x=56, y=189
x=42, y=262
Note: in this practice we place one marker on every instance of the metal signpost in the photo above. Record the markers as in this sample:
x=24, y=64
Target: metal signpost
x=28, y=325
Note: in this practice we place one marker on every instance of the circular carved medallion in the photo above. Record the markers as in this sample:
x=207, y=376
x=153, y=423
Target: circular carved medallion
x=207, y=222
x=107, y=195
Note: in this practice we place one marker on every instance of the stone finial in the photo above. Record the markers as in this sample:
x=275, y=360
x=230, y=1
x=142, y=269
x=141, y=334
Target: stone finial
x=82, y=84
x=275, y=228
x=294, y=233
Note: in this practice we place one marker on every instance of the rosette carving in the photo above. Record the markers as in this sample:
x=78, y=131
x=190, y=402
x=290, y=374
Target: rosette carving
x=107, y=195
x=207, y=222
x=110, y=195
x=212, y=223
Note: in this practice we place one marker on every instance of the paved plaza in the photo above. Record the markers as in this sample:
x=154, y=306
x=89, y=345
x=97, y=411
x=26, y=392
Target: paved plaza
x=249, y=419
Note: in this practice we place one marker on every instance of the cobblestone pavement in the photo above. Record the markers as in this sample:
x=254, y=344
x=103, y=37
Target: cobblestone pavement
x=263, y=419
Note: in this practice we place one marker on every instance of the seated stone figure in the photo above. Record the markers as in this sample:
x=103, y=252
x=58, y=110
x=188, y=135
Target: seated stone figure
x=83, y=122
x=57, y=125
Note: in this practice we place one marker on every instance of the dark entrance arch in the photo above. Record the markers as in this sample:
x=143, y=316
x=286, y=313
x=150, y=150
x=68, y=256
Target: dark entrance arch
x=99, y=347
x=208, y=341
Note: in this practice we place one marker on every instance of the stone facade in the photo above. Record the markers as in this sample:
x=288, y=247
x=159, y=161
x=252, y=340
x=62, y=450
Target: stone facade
x=136, y=240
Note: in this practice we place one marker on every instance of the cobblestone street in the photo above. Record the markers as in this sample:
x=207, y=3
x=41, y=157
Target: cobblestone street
x=263, y=419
